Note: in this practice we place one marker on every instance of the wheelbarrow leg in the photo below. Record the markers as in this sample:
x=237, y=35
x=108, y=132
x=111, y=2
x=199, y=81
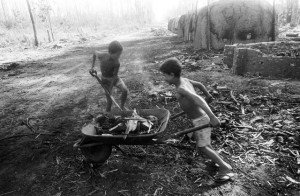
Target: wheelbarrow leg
x=146, y=154
x=118, y=148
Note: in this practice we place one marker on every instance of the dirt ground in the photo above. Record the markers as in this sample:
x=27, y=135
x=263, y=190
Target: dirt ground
x=52, y=85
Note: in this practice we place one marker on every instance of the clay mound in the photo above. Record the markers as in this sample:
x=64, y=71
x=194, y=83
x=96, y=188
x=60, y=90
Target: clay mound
x=173, y=25
x=181, y=24
x=231, y=21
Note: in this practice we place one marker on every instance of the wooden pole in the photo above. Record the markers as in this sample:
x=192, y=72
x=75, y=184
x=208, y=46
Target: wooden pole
x=49, y=21
x=294, y=17
x=274, y=22
x=208, y=26
x=196, y=20
x=4, y=12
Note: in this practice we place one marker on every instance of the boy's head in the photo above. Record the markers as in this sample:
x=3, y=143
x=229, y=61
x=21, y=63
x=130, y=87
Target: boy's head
x=115, y=49
x=171, y=69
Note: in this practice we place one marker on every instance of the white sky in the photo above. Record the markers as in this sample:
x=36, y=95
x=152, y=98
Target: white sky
x=161, y=7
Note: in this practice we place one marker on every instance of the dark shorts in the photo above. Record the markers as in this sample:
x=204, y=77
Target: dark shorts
x=118, y=83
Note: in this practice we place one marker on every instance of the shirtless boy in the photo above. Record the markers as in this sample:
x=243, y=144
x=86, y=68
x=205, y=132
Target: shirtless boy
x=196, y=109
x=109, y=66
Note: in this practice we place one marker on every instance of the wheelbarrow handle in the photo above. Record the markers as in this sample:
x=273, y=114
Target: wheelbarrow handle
x=180, y=133
x=93, y=72
x=177, y=115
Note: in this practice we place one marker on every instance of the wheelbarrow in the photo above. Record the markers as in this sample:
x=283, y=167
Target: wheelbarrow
x=98, y=148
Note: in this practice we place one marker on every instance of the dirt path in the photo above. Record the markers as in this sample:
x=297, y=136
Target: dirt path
x=58, y=91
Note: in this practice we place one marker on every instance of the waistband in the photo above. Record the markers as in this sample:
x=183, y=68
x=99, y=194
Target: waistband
x=204, y=117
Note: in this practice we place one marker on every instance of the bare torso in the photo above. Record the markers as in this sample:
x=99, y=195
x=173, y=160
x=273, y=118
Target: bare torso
x=107, y=65
x=186, y=104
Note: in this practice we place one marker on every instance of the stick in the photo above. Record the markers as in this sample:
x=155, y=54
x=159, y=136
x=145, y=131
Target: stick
x=23, y=135
x=234, y=99
x=8, y=193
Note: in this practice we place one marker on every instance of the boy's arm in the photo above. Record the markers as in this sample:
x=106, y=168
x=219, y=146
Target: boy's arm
x=95, y=56
x=115, y=75
x=199, y=101
x=200, y=86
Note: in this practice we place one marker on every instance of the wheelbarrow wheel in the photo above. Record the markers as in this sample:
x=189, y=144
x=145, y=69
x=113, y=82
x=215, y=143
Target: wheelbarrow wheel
x=97, y=154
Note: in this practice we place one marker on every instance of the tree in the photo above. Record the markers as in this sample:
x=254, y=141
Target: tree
x=4, y=12
x=36, y=43
x=294, y=15
x=44, y=15
x=208, y=26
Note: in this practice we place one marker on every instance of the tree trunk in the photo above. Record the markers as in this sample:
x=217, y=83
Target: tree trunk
x=50, y=25
x=273, y=36
x=49, y=21
x=289, y=11
x=208, y=26
x=196, y=20
x=36, y=43
x=4, y=11
x=294, y=16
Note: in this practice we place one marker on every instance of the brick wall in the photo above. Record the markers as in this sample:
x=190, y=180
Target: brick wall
x=267, y=59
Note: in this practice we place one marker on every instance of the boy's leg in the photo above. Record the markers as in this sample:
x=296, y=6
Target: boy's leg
x=107, y=83
x=214, y=156
x=122, y=87
x=204, y=146
x=109, y=103
x=108, y=99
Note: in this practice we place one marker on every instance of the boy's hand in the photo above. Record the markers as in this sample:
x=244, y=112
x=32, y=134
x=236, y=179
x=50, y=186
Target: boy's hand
x=93, y=72
x=215, y=122
x=209, y=98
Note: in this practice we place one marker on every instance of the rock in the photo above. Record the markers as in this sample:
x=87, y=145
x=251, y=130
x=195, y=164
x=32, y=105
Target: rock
x=208, y=69
x=9, y=66
x=280, y=139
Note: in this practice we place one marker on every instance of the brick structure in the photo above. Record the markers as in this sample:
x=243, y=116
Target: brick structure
x=268, y=59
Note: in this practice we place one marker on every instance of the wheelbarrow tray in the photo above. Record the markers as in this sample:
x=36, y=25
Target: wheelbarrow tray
x=90, y=136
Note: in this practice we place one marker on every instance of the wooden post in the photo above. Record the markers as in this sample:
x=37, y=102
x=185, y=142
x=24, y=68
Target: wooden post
x=4, y=11
x=49, y=21
x=274, y=22
x=208, y=26
x=36, y=43
x=294, y=17
x=196, y=20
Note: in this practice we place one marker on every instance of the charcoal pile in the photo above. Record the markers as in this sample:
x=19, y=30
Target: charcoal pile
x=108, y=124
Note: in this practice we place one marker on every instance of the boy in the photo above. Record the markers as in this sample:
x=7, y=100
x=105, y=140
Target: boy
x=109, y=66
x=197, y=110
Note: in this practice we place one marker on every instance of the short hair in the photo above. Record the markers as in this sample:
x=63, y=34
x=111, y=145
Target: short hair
x=171, y=65
x=115, y=47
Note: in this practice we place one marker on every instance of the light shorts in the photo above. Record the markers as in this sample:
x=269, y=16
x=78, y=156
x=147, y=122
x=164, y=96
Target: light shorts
x=202, y=137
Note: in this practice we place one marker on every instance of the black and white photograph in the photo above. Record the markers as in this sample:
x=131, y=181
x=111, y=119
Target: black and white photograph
x=149, y=97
